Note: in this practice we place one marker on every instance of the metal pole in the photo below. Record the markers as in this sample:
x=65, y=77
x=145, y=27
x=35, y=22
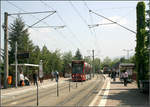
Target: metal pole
x=76, y=81
x=69, y=85
x=57, y=89
x=37, y=94
x=93, y=64
x=16, y=66
x=5, y=49
x=149, y=47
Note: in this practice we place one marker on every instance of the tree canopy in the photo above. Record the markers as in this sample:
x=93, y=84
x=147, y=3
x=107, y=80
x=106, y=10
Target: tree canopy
x=78, y=55
x=141, y=48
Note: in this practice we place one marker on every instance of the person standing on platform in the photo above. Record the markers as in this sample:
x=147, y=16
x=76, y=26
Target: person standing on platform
x=35, y=78
x=21, y=79
x=125, y=77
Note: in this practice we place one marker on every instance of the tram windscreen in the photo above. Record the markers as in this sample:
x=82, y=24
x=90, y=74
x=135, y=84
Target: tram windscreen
x=77, y=68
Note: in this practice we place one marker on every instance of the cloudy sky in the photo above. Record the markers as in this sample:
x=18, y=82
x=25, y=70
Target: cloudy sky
x=106, y=40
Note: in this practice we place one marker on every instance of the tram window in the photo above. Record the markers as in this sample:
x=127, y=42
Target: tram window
x=77, y=68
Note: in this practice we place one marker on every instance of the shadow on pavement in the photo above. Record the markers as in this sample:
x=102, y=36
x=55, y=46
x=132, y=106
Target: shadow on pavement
x=116, y=82
x=130, y=97
x=119, y=89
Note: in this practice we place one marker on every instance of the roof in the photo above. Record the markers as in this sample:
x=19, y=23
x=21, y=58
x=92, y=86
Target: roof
x=31, y=65
x=127, y=65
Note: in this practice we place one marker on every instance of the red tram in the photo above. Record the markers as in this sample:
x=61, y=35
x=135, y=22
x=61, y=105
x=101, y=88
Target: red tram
x=80, y=70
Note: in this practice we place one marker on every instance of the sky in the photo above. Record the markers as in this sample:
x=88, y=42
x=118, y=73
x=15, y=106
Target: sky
x=107, y=40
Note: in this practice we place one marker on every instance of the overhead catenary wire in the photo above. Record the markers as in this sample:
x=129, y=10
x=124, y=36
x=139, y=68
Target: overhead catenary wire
x=41, y=19
x=54, y=27
x=30, y=14
x=94, y=32
x=59, y=16
x=96, y=25
x=28, y=27
x=26, y=11
x=102, y=23
x=113, y=21
x=60, y=33
x=114, y=8
x=78, y=13
x=85, y=22
x=69, y=29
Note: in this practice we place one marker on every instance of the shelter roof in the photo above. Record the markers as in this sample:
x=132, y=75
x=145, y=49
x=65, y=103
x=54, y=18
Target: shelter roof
x=30, y=65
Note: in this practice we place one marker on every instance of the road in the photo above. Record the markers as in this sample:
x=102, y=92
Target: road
x=80, y=95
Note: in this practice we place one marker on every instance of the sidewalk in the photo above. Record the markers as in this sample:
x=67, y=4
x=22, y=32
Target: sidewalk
x=15, y=91
x=116, y=94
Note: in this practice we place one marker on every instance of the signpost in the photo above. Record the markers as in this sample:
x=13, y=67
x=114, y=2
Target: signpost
x=23, y=55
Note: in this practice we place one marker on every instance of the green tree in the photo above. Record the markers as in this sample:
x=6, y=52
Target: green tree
x=88, y=59
x=132, y=59
x=78, y=55
x=97, y=64
x=106, y=62
x=55, y=62
x=147, y=43
x=67, y=59
x=140, y=41
x=45, y=57
x=18, y=33
x=35, y=55
x=115, y=61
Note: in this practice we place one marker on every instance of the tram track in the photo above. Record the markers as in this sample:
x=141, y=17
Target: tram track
x=46, y=91
x=49, y=92
x=90, y=93
x=74, y=95
x=43, y=93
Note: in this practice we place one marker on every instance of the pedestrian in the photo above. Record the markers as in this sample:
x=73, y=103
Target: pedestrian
x=21, y=79
x=35, y=78
x=109, y=73
x=26, y=80
x=56, y=74
x=113, y=75
x=125, y=77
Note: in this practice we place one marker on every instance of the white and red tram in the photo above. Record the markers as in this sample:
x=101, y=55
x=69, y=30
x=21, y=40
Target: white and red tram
x=80, y=70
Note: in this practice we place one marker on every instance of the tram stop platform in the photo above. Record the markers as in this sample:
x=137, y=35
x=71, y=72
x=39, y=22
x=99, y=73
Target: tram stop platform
x=22, y=89
x=114, y=93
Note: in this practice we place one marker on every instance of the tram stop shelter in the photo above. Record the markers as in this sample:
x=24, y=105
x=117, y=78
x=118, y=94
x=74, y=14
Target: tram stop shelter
x=129, y=67
x=23, y=68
